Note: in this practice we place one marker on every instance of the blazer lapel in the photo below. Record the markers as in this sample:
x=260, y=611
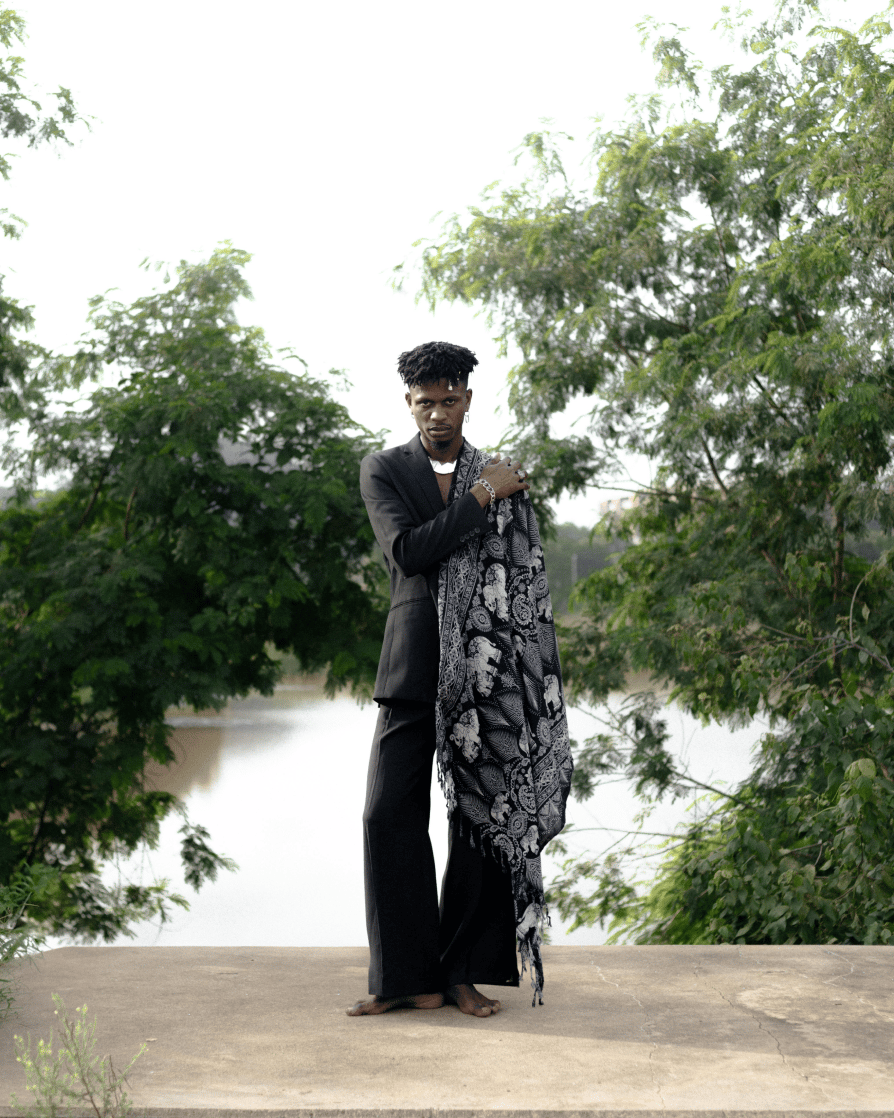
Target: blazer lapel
x=421, y=476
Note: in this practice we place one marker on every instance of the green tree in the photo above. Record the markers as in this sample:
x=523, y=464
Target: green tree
x=210, y=515
x=23, y=122
x=723, y=290
x=571, y=554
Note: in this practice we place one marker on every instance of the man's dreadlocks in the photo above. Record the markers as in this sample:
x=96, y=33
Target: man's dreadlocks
x=434, y=361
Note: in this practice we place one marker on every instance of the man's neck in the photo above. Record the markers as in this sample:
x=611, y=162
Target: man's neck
x=440, y=453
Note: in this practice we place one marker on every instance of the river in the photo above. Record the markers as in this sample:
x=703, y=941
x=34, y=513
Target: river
x=279, y=782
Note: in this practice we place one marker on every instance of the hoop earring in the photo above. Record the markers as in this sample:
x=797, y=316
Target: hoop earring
x=467, y=418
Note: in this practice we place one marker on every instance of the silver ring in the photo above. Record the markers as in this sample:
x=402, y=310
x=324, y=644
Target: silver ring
x=522, y=474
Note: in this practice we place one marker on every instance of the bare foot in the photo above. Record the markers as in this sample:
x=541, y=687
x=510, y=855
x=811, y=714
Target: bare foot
x=409, y=1001
x=470, y=1000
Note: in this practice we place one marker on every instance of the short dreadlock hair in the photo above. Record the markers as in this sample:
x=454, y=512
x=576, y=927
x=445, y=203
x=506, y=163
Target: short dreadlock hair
x=434, y=361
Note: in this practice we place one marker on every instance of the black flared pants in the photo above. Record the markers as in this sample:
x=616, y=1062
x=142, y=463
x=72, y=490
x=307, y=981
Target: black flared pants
x=417, y=946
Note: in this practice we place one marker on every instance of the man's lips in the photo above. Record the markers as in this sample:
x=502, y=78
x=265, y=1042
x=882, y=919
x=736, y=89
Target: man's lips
x=439, y=430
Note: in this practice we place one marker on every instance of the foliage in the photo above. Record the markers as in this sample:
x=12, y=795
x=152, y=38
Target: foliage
x=74, y=1080
x=22, y=121
x=15, y=938
x=210, y=516
x=723, y=290
x=571, y=554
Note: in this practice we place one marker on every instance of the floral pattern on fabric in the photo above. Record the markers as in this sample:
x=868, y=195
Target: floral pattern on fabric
x=504, y=758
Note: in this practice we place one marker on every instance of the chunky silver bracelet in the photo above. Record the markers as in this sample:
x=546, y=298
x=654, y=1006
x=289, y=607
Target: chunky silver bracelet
x=487, y=485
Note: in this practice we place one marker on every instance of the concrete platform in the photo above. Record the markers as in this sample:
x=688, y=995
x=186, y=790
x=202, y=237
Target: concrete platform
x=625, y=1031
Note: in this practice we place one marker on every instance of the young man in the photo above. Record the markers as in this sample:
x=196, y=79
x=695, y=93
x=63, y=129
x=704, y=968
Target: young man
x=453, y=541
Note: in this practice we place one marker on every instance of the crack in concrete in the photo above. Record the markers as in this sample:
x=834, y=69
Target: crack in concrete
x=875, y=1009
x=760, y=1024
x=655, y=1080
x=834, y=978
x=860, y=997
x=784, y=1059
x=642, y=1028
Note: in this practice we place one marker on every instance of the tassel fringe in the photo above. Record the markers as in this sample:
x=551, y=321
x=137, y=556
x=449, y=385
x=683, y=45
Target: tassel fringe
x=530, y=941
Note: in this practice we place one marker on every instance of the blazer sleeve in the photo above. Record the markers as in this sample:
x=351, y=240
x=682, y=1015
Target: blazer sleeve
x=413, y=547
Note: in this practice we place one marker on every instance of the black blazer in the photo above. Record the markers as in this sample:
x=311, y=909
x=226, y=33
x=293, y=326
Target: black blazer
x=415, y=531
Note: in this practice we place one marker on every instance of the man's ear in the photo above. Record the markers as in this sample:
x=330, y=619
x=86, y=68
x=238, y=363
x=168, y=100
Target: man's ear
x=468, y=397
x=409, y=400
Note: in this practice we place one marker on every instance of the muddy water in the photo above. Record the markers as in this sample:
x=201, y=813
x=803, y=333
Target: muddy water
x=279, y=782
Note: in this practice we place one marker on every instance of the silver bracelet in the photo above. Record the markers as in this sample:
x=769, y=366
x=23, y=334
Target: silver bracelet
x=487, y=485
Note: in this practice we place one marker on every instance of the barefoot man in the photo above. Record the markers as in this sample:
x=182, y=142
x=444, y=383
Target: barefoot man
x=469, y=672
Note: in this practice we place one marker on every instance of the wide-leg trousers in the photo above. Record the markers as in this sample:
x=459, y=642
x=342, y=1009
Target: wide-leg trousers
x=416, y=945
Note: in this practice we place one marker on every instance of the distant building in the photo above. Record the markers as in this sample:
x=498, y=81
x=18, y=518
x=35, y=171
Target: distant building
x=618, y=504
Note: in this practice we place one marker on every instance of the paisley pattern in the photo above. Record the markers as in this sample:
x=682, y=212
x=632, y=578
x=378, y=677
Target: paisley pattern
x=504, y=759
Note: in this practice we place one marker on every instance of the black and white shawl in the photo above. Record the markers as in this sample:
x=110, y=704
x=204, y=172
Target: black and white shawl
x=504, y=760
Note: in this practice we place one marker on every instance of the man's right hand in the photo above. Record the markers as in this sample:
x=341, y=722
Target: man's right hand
x=503, y=475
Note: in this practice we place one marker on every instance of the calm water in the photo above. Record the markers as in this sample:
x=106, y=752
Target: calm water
x=280, y=783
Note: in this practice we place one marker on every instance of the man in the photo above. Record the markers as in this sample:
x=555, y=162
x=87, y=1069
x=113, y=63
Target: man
x=454, y=528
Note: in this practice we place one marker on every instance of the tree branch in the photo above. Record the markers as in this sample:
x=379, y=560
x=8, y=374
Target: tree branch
x=92, y=501
x=765, y=392
x=129, y=507
x=729, y=276
x=717, y=791
x=32, y=850
x=713, y=466
x=779, y=574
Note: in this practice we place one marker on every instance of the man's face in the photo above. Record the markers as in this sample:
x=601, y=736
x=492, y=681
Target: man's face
x=439, y=410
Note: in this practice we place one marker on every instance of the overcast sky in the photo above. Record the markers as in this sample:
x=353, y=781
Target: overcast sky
x=322, y=138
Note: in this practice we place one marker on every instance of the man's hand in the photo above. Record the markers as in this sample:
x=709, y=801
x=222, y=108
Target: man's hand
x=506, y=475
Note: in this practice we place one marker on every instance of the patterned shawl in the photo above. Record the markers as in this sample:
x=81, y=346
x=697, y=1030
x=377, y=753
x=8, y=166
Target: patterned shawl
x=502, y=739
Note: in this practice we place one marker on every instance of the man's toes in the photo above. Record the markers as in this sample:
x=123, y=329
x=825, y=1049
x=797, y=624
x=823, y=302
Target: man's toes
x=364, y=1009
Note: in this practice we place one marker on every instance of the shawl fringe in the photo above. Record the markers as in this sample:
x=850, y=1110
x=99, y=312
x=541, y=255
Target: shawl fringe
x=530, y=940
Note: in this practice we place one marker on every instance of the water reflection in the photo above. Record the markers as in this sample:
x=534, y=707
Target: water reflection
x=199, y=736
x=197, y=747
x=280, y=782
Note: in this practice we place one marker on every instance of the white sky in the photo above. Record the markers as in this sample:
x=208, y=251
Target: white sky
x=322, y=138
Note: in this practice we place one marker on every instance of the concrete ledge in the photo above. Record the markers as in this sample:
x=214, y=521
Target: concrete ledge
x=193, y=1112
x=625, y=1031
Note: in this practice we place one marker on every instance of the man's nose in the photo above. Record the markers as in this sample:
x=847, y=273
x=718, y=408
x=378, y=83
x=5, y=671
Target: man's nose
x=438, y=412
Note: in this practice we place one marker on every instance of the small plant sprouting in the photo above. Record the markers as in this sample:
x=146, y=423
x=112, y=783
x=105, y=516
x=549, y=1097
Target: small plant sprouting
x=75, y=1076
x=16, y=938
